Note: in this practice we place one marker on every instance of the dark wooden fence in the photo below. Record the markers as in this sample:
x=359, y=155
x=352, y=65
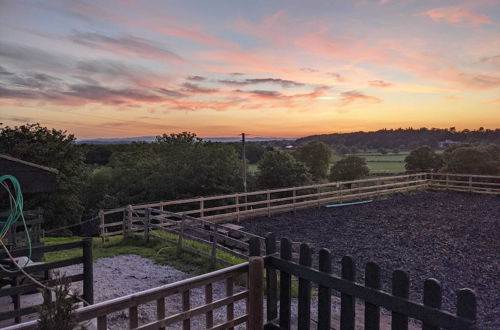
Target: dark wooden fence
x=253, y=296
x=282, y=267
x=277, y=271
x=20, y=284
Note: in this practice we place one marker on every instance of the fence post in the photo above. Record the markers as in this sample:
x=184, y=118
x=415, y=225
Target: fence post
x=432, y=298
x=447, y=179
x=268, y=204
x=294, y=191
x=255, y=293
x=101, y=224
x=179, y=241
x=372, y=312
x=318, y=195
x=470, y=183
x=304, y=311
x=466, y=304
x=128, y=225
x=147, y=220
x=400, y=288
x=202, y=208
x=214, y=244
x=237, y=205
x=271, y=281
x=161, y=206
x=324, y=293
x=88, y=271
x=347, y=302
x=285, y=286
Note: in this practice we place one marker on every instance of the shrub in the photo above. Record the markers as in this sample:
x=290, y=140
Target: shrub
x=349, y=168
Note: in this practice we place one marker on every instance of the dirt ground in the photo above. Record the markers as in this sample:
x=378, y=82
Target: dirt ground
x=453, y=237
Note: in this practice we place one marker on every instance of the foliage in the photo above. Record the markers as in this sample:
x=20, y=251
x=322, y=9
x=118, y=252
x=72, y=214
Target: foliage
x=404, y=139
x=58, y=313
x=472, y=160
x=316, y=155
x=278, y=169
x=349, y=168
x=56, y=149
x=423, y=159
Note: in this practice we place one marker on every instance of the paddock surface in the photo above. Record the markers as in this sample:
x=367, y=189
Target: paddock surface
x=453, y=237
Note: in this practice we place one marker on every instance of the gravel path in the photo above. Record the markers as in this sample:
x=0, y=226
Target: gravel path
x=126, y=274
x=450, y=236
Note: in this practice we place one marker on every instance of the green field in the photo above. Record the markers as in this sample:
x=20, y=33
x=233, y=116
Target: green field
x=377, y=163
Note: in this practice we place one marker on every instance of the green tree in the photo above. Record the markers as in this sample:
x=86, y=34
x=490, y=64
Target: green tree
x=52, y=148
x=316, y=155
x=423, y=159
x=349, y=168
x=278, y=169
x=472, y=160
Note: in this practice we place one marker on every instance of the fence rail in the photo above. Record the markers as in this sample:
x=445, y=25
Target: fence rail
x=237, y=206
x=20, y=284
x=253, y=296
x=374, y=298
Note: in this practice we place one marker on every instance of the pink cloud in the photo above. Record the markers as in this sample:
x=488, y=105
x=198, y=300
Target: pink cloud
x=457, y=14
x=354, y=96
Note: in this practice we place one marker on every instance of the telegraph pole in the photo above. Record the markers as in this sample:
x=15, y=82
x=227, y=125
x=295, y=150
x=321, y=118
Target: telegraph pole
x=244, y=156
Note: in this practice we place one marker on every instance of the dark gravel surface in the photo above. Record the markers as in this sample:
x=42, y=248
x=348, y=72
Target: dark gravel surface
x=453, y=237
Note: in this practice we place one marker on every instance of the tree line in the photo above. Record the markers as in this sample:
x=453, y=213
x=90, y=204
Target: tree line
x=402, y=139
x=181, y=165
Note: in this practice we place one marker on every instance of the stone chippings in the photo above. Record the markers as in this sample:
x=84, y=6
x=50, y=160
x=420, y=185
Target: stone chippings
x=451, y=236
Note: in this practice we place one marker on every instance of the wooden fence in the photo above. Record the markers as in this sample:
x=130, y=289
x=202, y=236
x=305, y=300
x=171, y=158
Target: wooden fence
x=429, y=313
x=253, y=296
x=237, y=206
x=279, y=270
x=20, y=284
x=212, y=237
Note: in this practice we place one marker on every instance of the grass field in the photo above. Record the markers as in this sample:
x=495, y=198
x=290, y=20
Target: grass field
x=162, y=253
x=377, y=163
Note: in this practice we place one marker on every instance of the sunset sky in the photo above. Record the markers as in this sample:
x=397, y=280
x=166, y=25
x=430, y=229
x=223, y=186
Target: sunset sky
x=268, y=68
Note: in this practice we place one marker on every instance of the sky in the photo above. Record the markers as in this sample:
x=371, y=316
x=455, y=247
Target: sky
x=123, y=68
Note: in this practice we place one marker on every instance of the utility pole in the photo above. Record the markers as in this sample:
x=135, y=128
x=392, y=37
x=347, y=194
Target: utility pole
x=244, y=156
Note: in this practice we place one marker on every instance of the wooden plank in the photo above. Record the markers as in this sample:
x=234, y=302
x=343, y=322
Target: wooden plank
x=377, y=297
x=400, y=288
x=46, y=266
x=271, y=280
x=372, y=312
x=324, y=292
x=255, y=293
x=432, y=298
x=466, y=304
x=102, y=322
x=229, y=292
x=347, y=301
x=231, y=324
x=133, y=319
x=42, y=249
x=304, y=308
x=285, y=286
x=182, y=316
x=30, y=287
x=209, y=315
x=186, y=306
x=138, y=298
x=88, y=272
x=160, y=310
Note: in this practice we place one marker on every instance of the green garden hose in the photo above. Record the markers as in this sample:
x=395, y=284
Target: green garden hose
x=15, y=213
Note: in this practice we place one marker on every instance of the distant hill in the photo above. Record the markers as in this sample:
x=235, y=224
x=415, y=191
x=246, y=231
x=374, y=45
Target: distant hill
x=405, y=139
x=150, y=139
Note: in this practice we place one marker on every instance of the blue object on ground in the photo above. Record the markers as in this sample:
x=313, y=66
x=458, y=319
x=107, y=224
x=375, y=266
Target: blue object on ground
x=347, y=204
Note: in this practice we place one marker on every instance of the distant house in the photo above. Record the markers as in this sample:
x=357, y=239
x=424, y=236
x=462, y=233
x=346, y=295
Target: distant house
x=289, y=147
x=447, y=143
x=33, y=178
